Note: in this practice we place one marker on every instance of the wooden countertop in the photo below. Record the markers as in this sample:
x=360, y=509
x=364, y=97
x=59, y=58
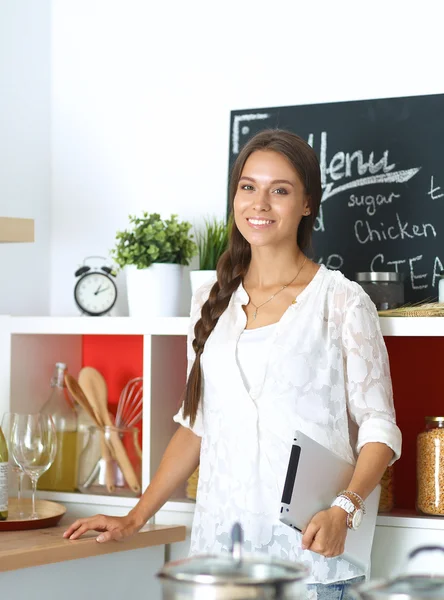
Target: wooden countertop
x=21, y=549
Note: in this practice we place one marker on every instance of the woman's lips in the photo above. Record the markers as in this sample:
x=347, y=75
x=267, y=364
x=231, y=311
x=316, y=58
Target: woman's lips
x=260, y=223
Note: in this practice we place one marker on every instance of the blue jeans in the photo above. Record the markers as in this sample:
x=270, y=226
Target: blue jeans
x=340, y=590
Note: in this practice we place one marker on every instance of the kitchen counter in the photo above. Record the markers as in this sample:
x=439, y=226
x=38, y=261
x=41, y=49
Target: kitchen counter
x=21, y=549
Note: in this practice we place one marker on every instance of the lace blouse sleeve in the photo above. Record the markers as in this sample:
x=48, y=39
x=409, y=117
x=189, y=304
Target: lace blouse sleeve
x=196, y=305
x=368, y=382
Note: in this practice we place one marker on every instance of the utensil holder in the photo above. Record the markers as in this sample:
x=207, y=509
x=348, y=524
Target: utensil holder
x=94, y=466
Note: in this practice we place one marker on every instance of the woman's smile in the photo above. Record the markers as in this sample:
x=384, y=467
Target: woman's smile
x=257, y=223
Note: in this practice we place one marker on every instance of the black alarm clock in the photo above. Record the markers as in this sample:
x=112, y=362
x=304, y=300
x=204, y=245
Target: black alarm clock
x=95, y=293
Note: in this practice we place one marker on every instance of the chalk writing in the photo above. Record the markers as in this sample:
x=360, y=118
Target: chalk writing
x=238, y=119
x=334, y=261
x=346, y=164
x=365, y=233
x=379, y=263
x=372, y=203
x=434, y=191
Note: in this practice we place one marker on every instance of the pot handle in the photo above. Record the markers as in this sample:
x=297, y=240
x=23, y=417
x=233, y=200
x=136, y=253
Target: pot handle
x=416, y=551
x=237, y=539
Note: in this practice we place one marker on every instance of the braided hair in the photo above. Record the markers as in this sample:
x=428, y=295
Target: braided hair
x=233, y=264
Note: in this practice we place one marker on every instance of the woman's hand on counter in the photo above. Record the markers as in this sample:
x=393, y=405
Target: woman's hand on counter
x=326, y=532
x=110, y=528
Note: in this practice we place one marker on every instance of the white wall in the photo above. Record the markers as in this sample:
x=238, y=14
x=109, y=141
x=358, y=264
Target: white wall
x=24, y=152
x=140, y=101
x=142, y=93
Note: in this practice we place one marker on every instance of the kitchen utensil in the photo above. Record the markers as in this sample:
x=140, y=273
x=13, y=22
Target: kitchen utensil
x=94, y=382
x=78, y=395
x=407, y=586
x=94, y=386
x=49, y=514
x=234, y=576
x=92, y=478
x=129, y=407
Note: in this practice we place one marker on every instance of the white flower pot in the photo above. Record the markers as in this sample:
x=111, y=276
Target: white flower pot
x=155, y=291
x=198, y=278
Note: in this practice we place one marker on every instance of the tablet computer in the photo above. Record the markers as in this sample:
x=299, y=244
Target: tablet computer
x=315, y=475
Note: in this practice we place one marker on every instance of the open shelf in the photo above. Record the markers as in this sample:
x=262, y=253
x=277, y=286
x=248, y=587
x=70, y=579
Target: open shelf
x=409, y=519
x=78, y=498
x=390, y=326
x=98, y=326
x=412, y=326
x=14, y=230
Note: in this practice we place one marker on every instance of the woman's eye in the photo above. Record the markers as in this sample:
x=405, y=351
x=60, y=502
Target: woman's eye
x=247, y=187
x=281, y=191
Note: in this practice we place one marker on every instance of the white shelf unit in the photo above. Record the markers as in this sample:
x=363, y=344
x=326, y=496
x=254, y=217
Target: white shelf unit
x=412, y=326
x=29, y=347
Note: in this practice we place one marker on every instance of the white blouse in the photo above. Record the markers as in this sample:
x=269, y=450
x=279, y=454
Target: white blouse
x=252, y=353
x=327, y=375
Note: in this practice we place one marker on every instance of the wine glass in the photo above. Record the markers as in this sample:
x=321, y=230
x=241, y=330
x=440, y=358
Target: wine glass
x=6, y=427
x=33, y=446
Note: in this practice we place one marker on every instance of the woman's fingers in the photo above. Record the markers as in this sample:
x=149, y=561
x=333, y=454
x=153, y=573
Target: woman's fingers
x=309, y=535
x=81, y=526
x=111, y=528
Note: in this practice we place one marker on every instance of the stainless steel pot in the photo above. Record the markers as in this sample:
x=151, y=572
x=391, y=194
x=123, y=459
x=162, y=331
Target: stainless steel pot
x=233, y=576
x=411, y=586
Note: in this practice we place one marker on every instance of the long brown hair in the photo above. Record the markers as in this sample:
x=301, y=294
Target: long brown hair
x=234, y=263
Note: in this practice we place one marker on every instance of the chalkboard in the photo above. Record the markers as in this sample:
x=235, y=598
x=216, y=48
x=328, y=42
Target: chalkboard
x=382, y=168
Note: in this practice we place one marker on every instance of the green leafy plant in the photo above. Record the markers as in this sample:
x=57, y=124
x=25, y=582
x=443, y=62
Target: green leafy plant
x=150, y=239
x=212, y=241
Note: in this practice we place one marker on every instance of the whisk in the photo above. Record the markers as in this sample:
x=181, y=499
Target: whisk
x=129, y=407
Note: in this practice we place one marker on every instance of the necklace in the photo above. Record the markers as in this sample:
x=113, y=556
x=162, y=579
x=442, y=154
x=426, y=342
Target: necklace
x=256, y=308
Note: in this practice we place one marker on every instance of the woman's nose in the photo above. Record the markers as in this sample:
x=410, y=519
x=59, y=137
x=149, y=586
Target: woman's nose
x=261, y=200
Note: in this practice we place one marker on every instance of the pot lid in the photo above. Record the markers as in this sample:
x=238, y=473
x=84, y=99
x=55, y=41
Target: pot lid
x=408, y=587
x=234, y=568
x=223, y=570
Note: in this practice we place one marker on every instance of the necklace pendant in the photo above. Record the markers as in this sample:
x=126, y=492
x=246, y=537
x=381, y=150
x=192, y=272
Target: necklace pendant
x=254, y=315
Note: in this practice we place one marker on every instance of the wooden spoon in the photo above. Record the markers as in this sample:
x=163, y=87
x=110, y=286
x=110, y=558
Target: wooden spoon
x=80, y=397
x=96, y=391
x=95, y=387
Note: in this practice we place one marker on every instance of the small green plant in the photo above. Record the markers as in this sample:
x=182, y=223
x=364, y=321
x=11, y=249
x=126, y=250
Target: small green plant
x=212, y=241
x=150, y=239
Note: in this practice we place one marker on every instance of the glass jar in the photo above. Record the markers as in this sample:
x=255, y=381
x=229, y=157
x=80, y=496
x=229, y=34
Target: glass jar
x=62, y=475
x=387, y=498
x=441, y=287
x=99, y=471
x=430, y=467
x=386, y=289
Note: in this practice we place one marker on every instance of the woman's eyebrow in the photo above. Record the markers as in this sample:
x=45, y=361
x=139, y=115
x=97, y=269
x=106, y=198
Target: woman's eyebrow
x=272, y=182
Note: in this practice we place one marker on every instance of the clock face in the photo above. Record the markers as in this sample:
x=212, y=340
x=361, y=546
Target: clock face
x=95, y=293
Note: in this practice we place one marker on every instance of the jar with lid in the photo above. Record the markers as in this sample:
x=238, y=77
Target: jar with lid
x=430, y=467
x=441, y=287
x=387, y=498
x=62, y=475
x=386, y=289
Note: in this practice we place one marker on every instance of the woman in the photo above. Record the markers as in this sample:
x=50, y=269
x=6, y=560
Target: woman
x=278, y=343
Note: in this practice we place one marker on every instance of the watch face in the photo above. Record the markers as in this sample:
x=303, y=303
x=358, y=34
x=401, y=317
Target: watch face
x=357, y=518
x=95, y=293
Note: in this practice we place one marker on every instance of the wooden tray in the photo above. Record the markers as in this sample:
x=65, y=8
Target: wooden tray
x=49, y=513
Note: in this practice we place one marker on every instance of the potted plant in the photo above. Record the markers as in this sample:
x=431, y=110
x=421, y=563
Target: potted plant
x=153, y=251
x=212, y=241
